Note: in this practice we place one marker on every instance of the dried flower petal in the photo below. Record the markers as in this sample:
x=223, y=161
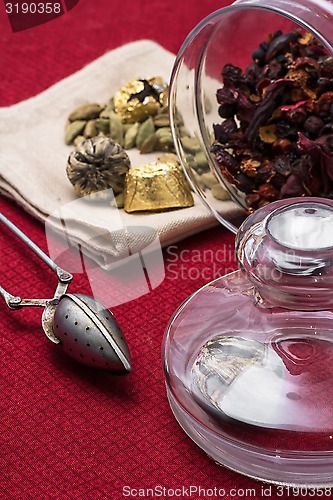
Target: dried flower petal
x=292, y=107
x=320, y=152
x=268, y=133
x=293, y=187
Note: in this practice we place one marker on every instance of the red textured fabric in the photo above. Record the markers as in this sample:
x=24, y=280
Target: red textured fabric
x=68, y=432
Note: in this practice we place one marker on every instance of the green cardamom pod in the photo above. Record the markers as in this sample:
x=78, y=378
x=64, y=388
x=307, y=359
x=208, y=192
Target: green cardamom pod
x=220, y=193
x=74, y=129
x=105, y=113
x=78, y=139
x=90, y=129
x=168, y=158
x=208, y=179
x=201, y=160
x=145, y=129
x=198, y=180
x=190, y=160
x=149, y=144
x=103, y=125
x=163, y=132
x=130, y=135
x=184, y=132
x=161, y=120
x=116, y=128
x=191, y=144
x=85, y=112
x=166, y=142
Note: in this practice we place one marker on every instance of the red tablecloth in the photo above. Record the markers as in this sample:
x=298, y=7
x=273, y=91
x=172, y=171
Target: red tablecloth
x=67, y=432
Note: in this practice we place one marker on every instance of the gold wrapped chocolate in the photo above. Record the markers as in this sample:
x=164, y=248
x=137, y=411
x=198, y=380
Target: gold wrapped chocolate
x=155, y=187
x=139, y=99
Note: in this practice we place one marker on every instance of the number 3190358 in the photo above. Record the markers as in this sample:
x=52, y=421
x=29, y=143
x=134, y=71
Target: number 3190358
x=33, y=8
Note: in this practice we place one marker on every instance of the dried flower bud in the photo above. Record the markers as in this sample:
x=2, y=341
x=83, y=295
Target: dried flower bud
x=249, y=167
x=97, y=164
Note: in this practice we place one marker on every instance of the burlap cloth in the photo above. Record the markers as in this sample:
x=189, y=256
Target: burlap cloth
x=33, y=157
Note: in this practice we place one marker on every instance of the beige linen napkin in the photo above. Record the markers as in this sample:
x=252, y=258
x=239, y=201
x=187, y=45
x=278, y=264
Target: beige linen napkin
x=33, y=158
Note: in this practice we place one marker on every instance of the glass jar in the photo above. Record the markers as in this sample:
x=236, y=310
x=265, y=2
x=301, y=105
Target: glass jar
x=248, y=358
x=230, y=36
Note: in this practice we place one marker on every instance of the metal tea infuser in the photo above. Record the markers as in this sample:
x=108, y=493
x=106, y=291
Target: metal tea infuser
x=85, y=329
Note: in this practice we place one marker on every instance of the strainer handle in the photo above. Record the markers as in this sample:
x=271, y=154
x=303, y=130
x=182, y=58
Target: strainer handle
x=15, y=302
x=63, y=276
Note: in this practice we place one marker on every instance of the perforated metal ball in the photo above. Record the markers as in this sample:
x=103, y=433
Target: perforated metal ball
x=89, y=333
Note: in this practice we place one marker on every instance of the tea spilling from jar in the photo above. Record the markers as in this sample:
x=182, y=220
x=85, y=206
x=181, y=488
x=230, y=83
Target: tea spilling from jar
x=276, y=136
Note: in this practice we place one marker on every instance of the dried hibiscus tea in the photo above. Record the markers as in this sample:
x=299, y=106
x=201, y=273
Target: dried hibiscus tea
x=275, y=139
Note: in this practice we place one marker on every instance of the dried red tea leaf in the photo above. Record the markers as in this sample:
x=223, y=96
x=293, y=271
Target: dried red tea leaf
x=278, y=115
x=281, y=43
x=320, y=152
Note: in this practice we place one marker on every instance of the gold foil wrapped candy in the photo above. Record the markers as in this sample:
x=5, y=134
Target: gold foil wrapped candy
x=97, y=164
x=156, y=187
x=139, y=99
